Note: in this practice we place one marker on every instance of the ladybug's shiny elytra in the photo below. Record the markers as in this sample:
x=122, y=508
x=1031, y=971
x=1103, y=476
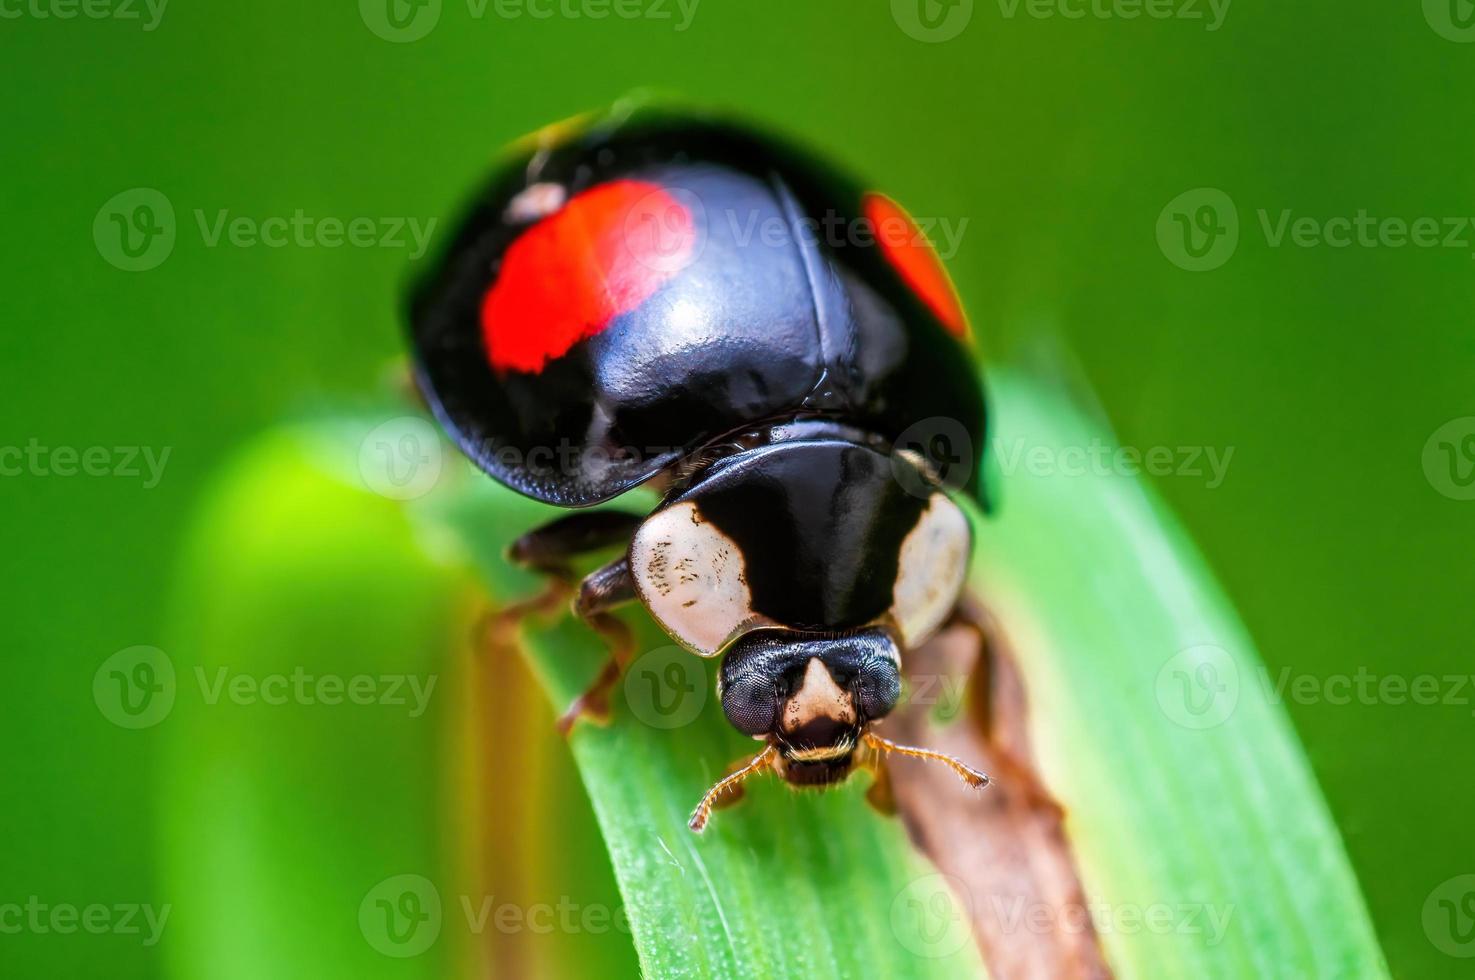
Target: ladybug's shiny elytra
x=677, y=301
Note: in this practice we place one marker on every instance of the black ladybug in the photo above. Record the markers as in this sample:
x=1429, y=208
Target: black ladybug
x=654, y=298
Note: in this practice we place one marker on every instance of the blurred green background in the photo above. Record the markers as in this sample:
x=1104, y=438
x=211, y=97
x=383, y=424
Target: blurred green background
x=1060, y=141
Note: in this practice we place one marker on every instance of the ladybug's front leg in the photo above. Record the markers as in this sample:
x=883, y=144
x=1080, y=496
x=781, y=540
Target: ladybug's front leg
x=551, y=550
x=602, y=591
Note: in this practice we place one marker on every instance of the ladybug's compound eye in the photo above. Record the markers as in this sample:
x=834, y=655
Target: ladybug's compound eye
x=693, y=579
x=754, y=680
x=931, y=570
x=750, y=703
x=877, y=688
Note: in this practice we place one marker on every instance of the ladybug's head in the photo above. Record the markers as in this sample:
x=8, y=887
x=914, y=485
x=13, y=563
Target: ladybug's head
x=811, y=696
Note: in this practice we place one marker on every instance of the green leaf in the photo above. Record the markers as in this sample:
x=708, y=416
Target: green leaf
x=1200, y=838
x=1203, y=843
x=1155, y=722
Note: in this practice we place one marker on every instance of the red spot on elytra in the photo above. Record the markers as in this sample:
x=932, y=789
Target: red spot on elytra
x=913, y=257
x=570, y=275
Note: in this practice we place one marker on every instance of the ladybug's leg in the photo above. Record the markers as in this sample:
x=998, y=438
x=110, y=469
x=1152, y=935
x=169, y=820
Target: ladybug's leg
x=880, y=795
x=550, y=550
x=602, y=591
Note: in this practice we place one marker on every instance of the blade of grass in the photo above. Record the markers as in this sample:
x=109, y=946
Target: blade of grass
x=1187, y=793
x=1205, y=850
x=1176, y=805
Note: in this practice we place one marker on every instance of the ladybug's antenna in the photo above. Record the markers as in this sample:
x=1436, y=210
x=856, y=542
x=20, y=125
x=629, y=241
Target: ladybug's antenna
x=760, y=762
x=969, y=775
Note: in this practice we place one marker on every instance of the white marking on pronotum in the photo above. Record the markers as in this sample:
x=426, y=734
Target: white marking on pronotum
x=931, y=570
x=692, y=578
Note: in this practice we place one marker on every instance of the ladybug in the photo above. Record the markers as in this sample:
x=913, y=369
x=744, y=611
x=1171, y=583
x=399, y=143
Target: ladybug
x=677, y=301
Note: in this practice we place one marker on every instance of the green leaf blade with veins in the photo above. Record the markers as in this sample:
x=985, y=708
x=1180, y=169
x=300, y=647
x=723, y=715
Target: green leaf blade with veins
x=1202, y=842
x=1187, y=795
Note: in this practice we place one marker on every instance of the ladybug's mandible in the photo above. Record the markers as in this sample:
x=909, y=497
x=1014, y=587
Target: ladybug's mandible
x=664, y=299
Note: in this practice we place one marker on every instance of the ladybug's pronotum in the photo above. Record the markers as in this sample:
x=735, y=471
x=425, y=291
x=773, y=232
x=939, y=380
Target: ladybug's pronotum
x=669, y=300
